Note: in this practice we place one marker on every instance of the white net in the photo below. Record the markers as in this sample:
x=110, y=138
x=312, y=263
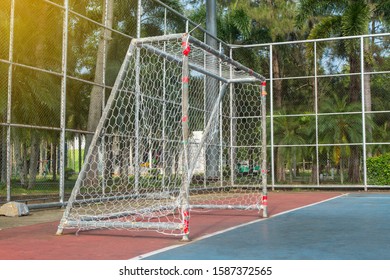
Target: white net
x=165, y=143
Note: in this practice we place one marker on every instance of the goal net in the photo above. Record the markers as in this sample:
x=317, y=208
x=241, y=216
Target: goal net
x=170, y=140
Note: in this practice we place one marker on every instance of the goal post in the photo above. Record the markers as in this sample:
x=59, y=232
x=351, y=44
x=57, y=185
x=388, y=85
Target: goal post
x=152, y=138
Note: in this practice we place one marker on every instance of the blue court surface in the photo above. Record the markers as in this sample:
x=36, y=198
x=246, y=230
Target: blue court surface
x=354, y=226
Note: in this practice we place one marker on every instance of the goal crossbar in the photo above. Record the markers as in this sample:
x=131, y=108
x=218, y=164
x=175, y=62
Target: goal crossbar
x=235, y=72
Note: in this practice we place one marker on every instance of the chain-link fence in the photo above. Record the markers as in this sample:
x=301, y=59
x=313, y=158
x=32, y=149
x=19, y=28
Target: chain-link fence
x=58, y=63
x=328, y=111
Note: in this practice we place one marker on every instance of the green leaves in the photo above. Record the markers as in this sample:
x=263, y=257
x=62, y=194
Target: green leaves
x=378, y=170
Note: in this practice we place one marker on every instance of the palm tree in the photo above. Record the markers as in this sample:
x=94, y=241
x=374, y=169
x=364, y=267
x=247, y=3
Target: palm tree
x=288, y=131
x=329, y=18
x=341, y=129
x=35, y=95
x=4, y=30
x=273, y=21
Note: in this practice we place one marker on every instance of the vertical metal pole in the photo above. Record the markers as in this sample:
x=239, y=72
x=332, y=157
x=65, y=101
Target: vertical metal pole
x=9, y=100
x=205, y=113
x=233, y=127
x=220, y=127
x=211, y=19
x=137, y=104
x=363, y=112
x=185, y=129
x=63, y=100
x=264, y=198
x=271, y=90
x=105, y=24
x=163, y=157
x=316, y=114
x=212, y=151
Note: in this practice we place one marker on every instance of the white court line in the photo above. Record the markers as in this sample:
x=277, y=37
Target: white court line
x=140, y=257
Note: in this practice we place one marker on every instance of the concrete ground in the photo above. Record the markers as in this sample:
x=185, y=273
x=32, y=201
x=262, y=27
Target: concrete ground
x=34, y=217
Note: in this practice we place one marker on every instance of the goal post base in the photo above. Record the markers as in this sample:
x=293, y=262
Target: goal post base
x=265, y=212
x=185, y=238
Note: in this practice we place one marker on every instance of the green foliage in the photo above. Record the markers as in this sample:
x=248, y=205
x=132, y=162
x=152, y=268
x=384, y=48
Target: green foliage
x=154, y=172
x=233, y=23
x=43, y=187
x=378, y=170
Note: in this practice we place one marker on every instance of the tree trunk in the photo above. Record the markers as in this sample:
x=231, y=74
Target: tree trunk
x=277, y=101
x=290, y=171
x=3, y=155
x=341, y=170
x=97, y=93
x=355, y=93
x=42, y=158
x=74, y=155
x=294, y=163
x=354, y=84
x=280, y=170
x=124, y=158
x=34, y=157
x=54, y=161
x=354, y=165
x=367, y=92
x=277, y=90
x=314, y=167
x=108, y=158
x=96, y=101
x=21, y=161
x=80, y=152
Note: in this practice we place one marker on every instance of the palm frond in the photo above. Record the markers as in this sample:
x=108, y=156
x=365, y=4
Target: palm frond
x=313, y=8
x=242, y=22
x=356, y=18
x=327, y=27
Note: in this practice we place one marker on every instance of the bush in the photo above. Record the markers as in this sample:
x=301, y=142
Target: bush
x=378, y=170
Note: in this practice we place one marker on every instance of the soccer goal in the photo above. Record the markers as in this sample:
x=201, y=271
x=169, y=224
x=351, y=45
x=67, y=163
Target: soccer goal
x=168, y=141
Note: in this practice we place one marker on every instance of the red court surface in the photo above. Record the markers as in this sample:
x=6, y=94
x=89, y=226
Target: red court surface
x=39, y=242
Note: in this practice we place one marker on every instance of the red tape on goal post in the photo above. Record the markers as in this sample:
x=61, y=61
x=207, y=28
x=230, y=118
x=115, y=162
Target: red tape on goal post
x=186, y=48
x=186, y=221
x=263, y=85
x=264, y=200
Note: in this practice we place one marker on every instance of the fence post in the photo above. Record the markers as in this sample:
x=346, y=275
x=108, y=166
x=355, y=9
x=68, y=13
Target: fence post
x=9, y=100
x=63, y=101
x=233, y=127
x=316, y=114
x=363, y=112
x=271, y=115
